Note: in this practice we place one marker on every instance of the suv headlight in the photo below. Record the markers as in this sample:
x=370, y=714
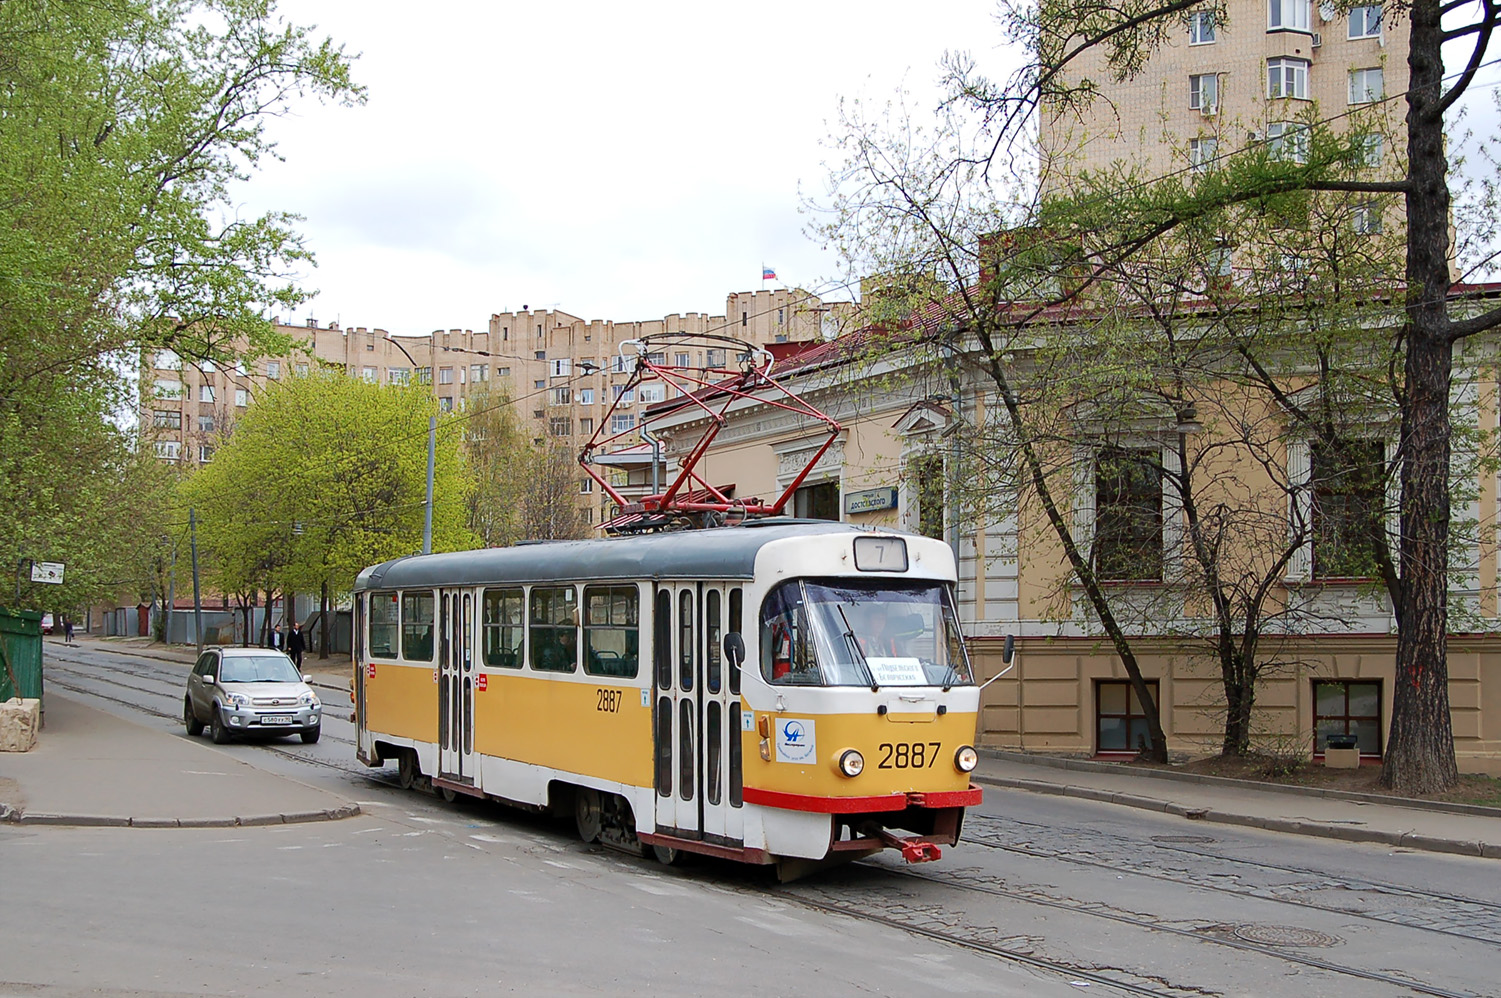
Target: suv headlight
x=308, y=699
x=236, y=699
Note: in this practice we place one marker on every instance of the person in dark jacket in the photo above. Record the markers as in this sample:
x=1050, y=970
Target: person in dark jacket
x=296, y=644
x=278, y=640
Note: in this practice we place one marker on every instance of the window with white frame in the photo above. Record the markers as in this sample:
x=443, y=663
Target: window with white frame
x=461, y=375
x=1370, y=148
x=1201, y=28
x=560, y=426
x=682, y=360
x=586, y=425
x=586, y=486
x=168, y=389
x=240, y=369
x=1287, y=78
x=1347, y=483
x=445, y=403
x=502, y=372
x=1202, y=153
x=1365, y=219
x=478, y=373
x=653, y=393
x=1217, y=263
x=620, y=364
x=166, y=360
x=623, y=394
x=1365, y=22
x=205, y=453
x=622, y=421
x=168, y=450
x=206, y=366
x=1128, y=516
x=242, y=397
x=445, y=375
x=1204, y=92
x=369, y=375
x=301, y=370
x=1366, y=85
x=1289, y=15
x=273, y=369
x=166, y=419
x=205, y=393
x=1287, y=141
x=562, y=367
x=562, y=396
x=206, y=424
x=586, y=396
x=399, y=375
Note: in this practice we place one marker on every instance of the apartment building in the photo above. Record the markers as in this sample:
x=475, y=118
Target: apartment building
x=1256, y=74
x=561, y=371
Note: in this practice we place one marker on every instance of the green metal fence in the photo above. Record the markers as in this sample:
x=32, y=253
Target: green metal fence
x=20, y=654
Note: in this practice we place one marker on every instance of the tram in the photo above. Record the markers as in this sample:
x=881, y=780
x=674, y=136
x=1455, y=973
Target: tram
x=784, y=692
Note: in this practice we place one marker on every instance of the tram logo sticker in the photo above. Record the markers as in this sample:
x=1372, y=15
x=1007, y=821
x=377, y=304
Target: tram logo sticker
x=796, y=740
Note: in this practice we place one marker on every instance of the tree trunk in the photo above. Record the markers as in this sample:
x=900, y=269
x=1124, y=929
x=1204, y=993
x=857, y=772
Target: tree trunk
x=1240, y=701
x=1419, y=754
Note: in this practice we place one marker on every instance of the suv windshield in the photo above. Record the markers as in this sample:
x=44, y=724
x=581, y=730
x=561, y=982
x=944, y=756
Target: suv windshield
x=259, y=669
x=847, y=632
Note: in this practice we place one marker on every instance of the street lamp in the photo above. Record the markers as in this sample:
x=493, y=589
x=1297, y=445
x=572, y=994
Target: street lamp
x=432, y=444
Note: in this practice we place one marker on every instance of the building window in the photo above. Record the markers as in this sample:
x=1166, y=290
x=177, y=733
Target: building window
x=1366, y=219
x=424, y=375
x=562, y=367
x=586, y=396
x=478, y=373
x=1347, y=479
x=586, y=426
x=1370, y=149
x=1204, y=92
x=240, y=369
x=1287, y=78
x=369, y=375
x=445, y=403
x=1120, y=721
x=445, y=375
x=1201, y=28
x=273, y=369
x=619, y=364
x=1217, y=264
x=461, y=375
x=168, y=389
x=562, y=396
x=166, y=360
x=399, y=375
x=166, y=419
x=1128, y=514
x=502, y=372
x=682, y=360
x=168, y=450
x=586, y=486
x=206, y=366
x=653, y=393
x=1366, y=85
x=1288, y=15
x=205, y=453
x=205, y=393
x=715, y=357
x=817, y=502
x=622, y=393
x=560, y=426
x=622, y=421
x=540, y=383
x=205, y=424
x=1341, y=707
x=301, y=370
x=242, y=397
x=1202, y=153
x=539, y=329
x=1365, y=22
x=1287, y=141
x=928, y=486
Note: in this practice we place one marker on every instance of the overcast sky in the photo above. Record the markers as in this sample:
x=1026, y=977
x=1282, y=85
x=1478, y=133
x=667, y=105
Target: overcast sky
x=617, y=161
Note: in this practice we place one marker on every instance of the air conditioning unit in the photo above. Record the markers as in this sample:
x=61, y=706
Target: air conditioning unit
x=1318, y=39
x=1209, y=109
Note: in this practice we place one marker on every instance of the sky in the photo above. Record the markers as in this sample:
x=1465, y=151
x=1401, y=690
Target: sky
x=615, y=161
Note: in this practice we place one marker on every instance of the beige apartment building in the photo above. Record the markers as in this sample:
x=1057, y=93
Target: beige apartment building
x=561, y=371
x=1255, y=75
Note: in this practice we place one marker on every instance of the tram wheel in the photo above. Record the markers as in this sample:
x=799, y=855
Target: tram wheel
x=588, y=813
x=667, y=855
x=407, y=770
x=449, y=794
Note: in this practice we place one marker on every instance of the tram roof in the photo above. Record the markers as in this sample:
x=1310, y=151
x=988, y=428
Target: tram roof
x=717, y=553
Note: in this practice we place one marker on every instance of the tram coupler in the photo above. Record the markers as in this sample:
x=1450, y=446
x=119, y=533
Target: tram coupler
x=914, y=849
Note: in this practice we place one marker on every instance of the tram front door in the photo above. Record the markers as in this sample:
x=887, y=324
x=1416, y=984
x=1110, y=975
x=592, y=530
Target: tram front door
x=697, y=713
x=456, y=686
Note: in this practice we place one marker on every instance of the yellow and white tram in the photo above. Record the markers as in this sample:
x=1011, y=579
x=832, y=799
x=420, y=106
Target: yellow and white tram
x=783, y=692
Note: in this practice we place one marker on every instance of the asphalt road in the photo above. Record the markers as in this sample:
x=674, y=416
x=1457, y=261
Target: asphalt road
x=1047, y=896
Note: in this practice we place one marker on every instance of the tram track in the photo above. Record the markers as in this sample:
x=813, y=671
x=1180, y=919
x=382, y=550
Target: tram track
x=1485, y=913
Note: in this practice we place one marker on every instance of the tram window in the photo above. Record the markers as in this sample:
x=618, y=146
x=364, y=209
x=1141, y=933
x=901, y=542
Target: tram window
x=737, y=626
x=786, y=652
x=554, y=629
x=612, y=637
x=505, y=624
x=713, y=634
x=417, y=627
x=385, y=624
x=664, y=746
x=662, y=640
x=685, y=640
x=713, y=737
x=686, y=756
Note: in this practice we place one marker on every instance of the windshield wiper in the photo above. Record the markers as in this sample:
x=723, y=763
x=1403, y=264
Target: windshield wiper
x=853, y=642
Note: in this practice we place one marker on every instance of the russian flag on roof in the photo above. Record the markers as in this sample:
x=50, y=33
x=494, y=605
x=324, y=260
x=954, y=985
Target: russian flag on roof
x=767, y=274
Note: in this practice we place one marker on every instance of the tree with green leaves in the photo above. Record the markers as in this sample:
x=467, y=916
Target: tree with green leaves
x=324, y=476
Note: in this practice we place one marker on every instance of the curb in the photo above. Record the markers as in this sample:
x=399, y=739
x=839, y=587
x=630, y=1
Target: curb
x=13, y=817
x=1291, y=826
x=1091, y=766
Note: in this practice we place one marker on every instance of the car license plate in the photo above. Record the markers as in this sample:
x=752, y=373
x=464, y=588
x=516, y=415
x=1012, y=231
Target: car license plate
x=276, y=719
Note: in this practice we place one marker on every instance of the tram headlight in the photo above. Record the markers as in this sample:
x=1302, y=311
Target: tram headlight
x=966, y=759
x=851, y=763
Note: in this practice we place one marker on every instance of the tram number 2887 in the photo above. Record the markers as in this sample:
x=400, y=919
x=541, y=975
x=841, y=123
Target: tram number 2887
x=908, y=755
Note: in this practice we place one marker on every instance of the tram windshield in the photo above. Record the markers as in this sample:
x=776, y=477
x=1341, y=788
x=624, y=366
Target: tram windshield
x=826, y=632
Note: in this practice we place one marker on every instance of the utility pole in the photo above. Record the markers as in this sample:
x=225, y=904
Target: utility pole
x=432, y=445
x=197, y=601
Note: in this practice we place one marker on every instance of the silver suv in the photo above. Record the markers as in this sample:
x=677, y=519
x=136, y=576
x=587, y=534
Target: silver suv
x=239, y=691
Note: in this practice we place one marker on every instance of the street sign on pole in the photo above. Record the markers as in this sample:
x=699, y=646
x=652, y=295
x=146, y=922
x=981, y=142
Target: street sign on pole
x=50, y=572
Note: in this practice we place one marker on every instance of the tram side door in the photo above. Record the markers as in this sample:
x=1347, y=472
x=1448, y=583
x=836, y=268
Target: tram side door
x=456, y=686
x=719, y=762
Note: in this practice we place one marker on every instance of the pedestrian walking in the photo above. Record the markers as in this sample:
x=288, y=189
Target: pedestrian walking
x=296, y=644
x=278, y=640
x=67, y=630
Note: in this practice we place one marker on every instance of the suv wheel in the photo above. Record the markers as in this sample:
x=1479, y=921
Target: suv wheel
x=216, y=729
x=310, y=737
x=195, y=726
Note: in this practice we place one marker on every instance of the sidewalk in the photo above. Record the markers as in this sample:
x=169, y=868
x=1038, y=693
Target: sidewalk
x=1422, y=825
x=90, y=767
